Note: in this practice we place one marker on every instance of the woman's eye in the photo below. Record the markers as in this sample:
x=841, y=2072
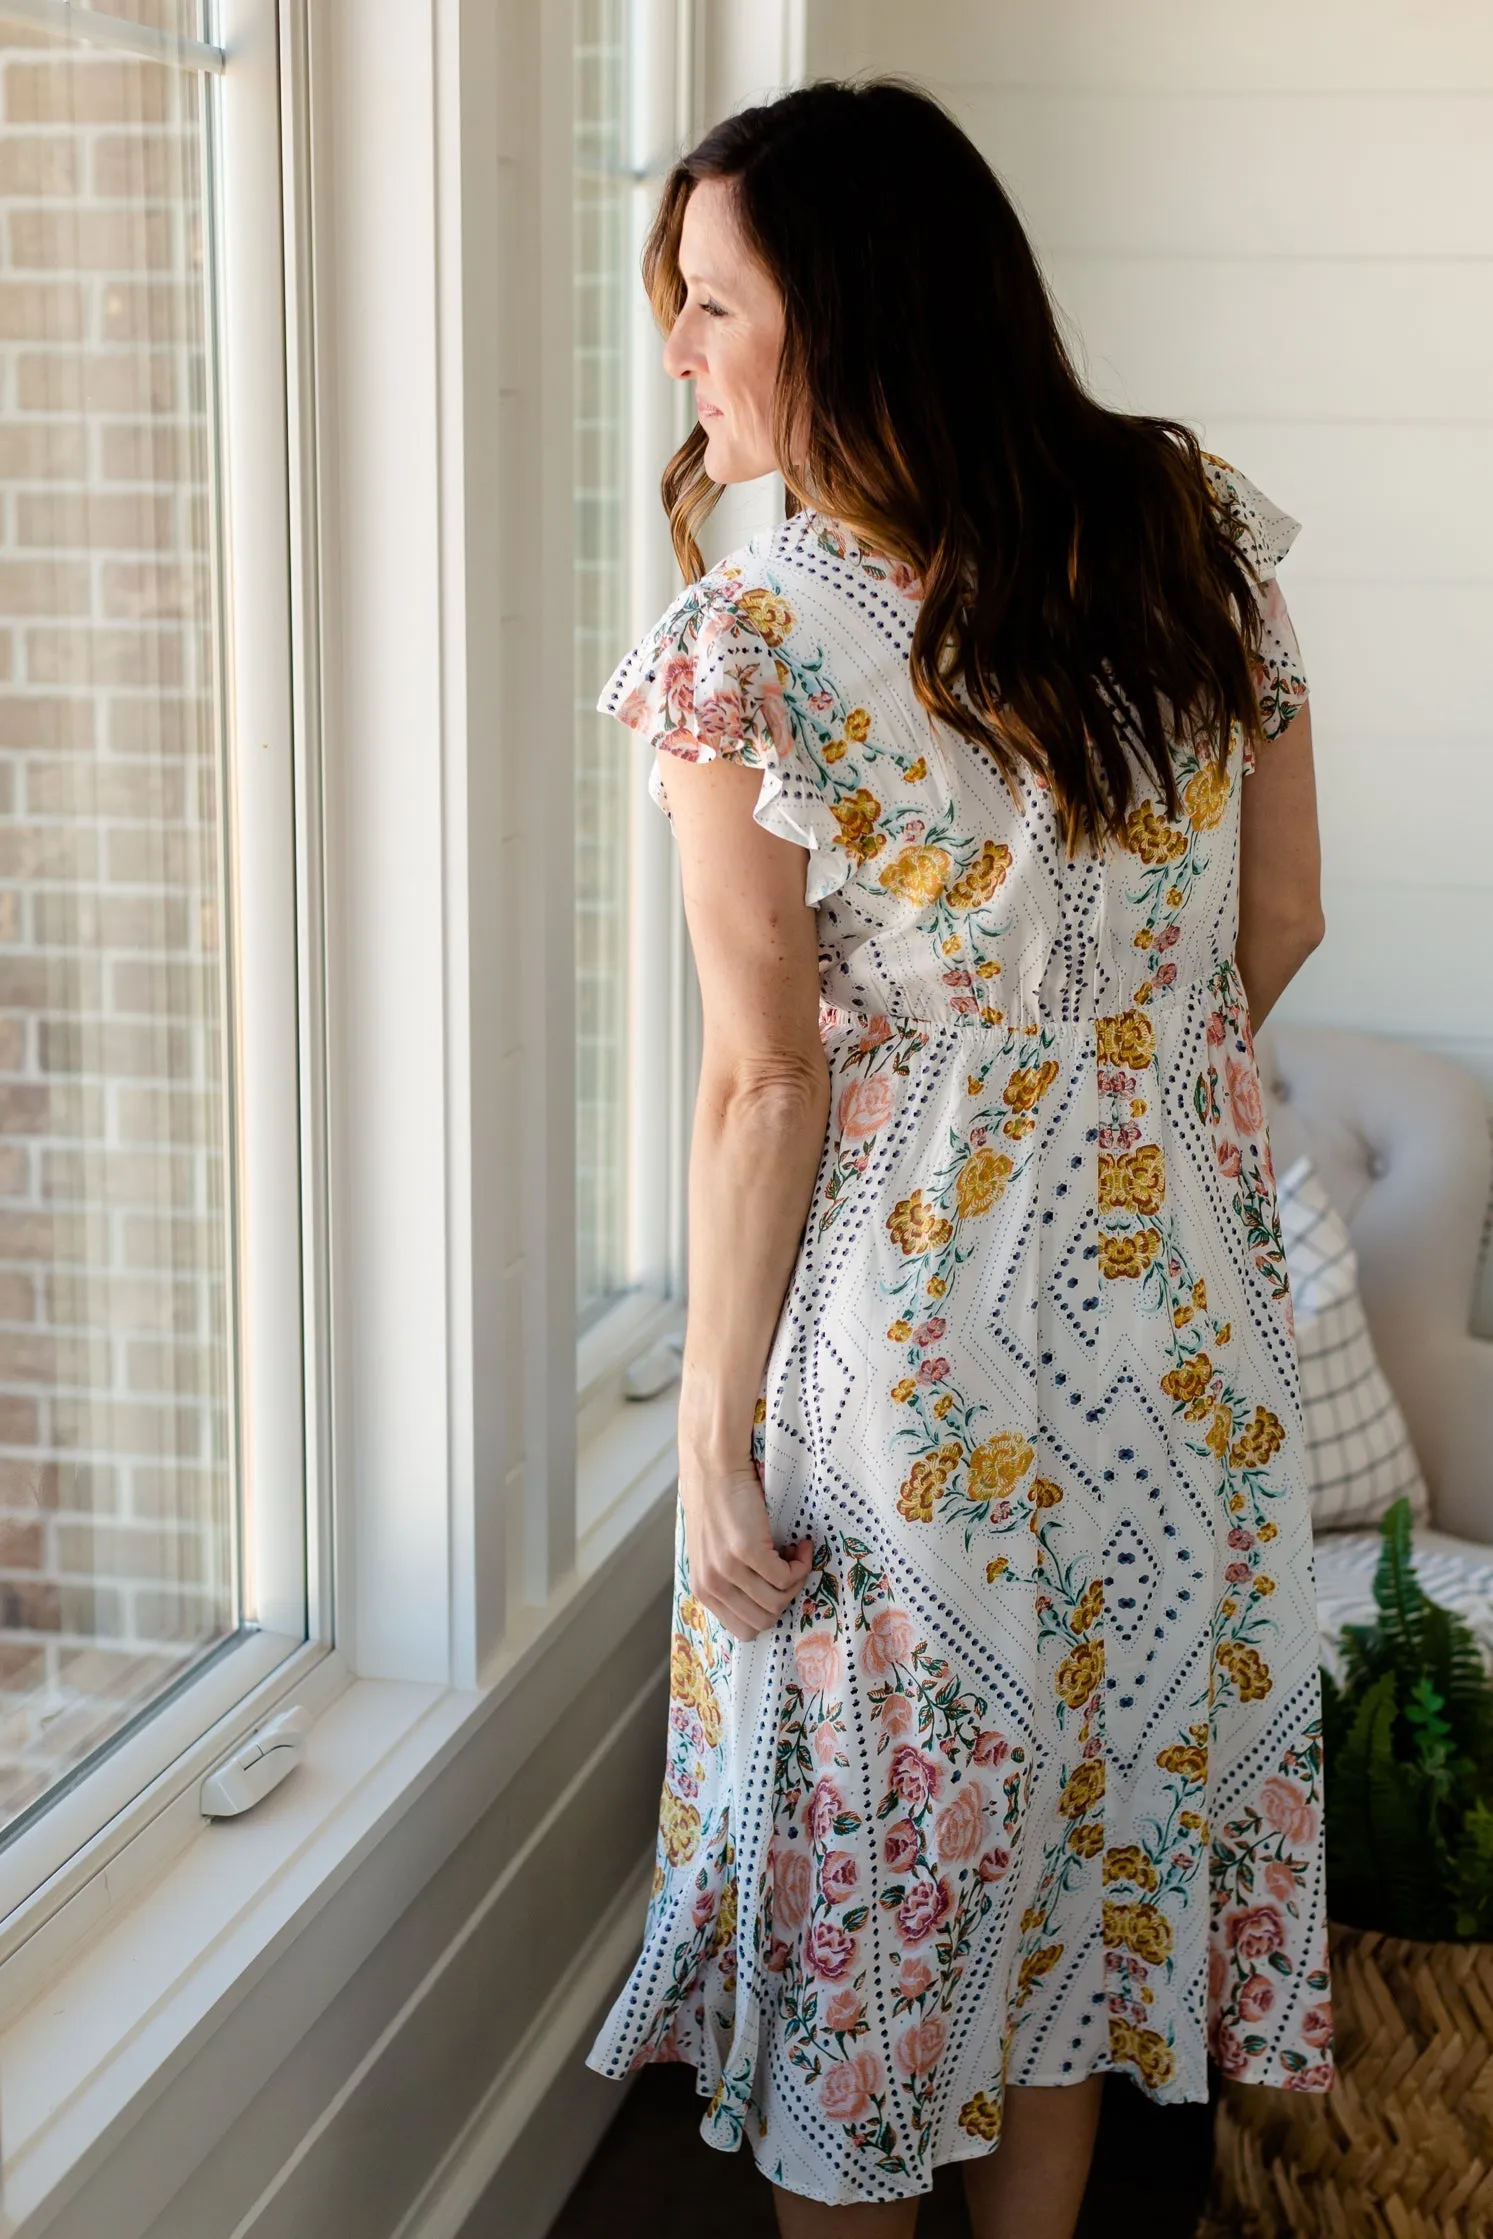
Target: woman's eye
x=713, y=309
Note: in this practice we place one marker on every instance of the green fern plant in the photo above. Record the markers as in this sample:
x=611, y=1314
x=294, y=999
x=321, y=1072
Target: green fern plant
x=1408, y=1748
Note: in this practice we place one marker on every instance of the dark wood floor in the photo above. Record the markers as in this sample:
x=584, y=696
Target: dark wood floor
x=653, y=2176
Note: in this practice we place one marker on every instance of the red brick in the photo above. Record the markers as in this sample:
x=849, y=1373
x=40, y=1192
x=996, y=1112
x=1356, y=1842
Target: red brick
x=160, y=1245
x=92, y=1612
x=148, y=791
x=127, y=1427
x=116, y=1049
x=42, y=311
x=89, y=90
x=52, y=1108
x=21, y=1544
x=55, y=1239
x=22, y=1664
x=74, y=240
x=148, y=311
x=164, y=1115
x=139, y=1180
x=90, y=520
x=17, y=1301
x=48, y=851
x=44, y=586
x=145, y=591
x=12, y=1030
x=156, y=166
x=20, y=1420
x=141, y=657
x=153, y=451
x=43, y=451
x=160, y=1305
x=129, y=1551
x=178, y=989
x=180, y=1616
x=28, y=1483
x=30, y=1605
x=156, y=726
x=40, y=983
x=45, y=164
x=30, y=720
x=163, y=856
x=79, y=919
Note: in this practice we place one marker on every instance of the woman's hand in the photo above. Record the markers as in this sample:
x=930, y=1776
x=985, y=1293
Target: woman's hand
x=734, y=1568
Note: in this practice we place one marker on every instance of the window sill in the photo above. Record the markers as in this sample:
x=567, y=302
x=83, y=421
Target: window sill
x=119, y=2015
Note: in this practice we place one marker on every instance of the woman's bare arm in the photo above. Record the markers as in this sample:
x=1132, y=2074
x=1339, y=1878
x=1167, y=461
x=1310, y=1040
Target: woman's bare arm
x=759, y=1130
x=1280, y=867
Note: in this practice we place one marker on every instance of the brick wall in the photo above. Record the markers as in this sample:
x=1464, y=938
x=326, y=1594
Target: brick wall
x=116, y=1496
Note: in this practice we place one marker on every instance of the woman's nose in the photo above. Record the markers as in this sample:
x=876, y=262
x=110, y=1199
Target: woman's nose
x=680, y=360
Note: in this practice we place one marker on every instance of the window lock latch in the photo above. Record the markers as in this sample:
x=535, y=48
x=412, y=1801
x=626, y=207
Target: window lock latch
x=259, y=1763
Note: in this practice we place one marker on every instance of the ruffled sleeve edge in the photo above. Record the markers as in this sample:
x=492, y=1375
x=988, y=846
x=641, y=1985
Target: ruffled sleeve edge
x=1263, y=530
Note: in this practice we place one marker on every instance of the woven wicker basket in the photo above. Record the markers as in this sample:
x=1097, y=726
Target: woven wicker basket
x=1401, y=2147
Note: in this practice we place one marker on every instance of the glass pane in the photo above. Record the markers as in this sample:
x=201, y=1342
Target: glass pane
x=181, y=19
x=603, y=278
x=118, y=1557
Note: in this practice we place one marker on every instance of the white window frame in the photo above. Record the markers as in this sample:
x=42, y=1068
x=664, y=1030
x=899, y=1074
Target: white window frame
x=273, y=1104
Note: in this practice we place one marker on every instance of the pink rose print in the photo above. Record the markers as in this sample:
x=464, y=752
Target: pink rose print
x=792, y=1888
x=778, y=1956
x=1237, y=1573
x=991, y=1749
x=1316, y=2025
x=934, y=1371
x=720, y=714
x=915, y=1777
x=926, y=1906
x=676, y=685
x=995, y=1863
x=844, y=2011
x=890, y=1641
x=1239, y=1537
x=821, y=702
x=1256, y=1997
x=819, y=1662
x=838, y=1876
x=848, y=2089
x=875, y=1032
x=1164, y=974
x=900, y=1848
x=1229, y=2052
x=959, y=1828
x=958, y=979
x=1218, y=1975
x=1245, y=1101
x=968, y=1005
x=1216, y=1029
x=919, y=2046
x=1287, y=1810
x=824, y=1810
x=865, y=1106
x=929, y=1333
x=1280, y=1881
x=1230, y=1160
x=1319, y=2078
x=826, y=1745
x=1168, y=938
x=915, y=1977
x=1256, y=1932
x=896, y=1714
x=829, y=1951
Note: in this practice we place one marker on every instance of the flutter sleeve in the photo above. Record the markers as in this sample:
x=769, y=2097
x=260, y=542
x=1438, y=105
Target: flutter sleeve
x=1264, y=535
x=704, y=682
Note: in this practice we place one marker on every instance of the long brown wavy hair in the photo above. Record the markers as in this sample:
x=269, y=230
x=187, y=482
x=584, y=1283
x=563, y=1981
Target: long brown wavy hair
x=1085, y=607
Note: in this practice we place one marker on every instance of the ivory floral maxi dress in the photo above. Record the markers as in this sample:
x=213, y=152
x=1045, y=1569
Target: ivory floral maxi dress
x=1028, y=1782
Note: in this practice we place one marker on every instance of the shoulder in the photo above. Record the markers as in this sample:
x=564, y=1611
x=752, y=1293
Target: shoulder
x=704, y=681
x=1263, y=531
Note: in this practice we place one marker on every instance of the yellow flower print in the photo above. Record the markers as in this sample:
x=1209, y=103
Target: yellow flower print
x=1124, y=1257
x=659, y=1877
x=1079, y=1674
x=981, y=2117
x=944, y=1406
x=1019, y=1124
x=1139, y=1928
x=1264, y=1585
x=1044, y=1493
x=857, y=724
x=1147, y=2048
x=1088, y=1608
x=936, y=1284
x=725, y=1919
x=1126, y=1040
x=1144, y=938
x=770, y=616
x=1181, y=1316
x=1194, y=1822
x=1035, y=1965
x=1174, y=897
x=1259, y=1442
x=915, y=772
x=996, y=1467
x=1087, y=1839
x=917, y=1226
x=1132, y=1181
x=1029, y=1085
x=997, y=1569
x=1200, y=1295
x=900, y=1331
x=1189, y=1383
x=835, y=750
x=989, y=1016
x=1267, y=1531
x=1247, y=1668
x=988, y=969
x=1206, y=797
x=1223, y=1333
x=1189, y=1760
x=925, y=1481
x=1144, y=992
x=982, y=1181
x=974, y=886
x=856, y=816
x=918, y=874
x=1220, y=1430
x=1148, y=835
x=679, y=1828
x=952, y=945
x=905, y=1389
x=1083, y=1787
x=1128, y=1862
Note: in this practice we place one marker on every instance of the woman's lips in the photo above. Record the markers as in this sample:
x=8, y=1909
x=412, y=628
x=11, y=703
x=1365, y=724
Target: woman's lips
x=707, y=411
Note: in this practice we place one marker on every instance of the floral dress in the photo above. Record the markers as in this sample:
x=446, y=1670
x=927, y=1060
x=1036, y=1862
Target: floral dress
x=1027, y=1783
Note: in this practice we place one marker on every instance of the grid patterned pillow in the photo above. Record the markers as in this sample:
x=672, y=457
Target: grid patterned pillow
x=1358, y=1446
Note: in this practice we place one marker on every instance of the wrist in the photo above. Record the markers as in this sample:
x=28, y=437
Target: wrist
x=713, y=1434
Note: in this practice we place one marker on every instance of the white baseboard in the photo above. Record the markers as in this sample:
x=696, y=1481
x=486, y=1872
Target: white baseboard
x=545, y=2111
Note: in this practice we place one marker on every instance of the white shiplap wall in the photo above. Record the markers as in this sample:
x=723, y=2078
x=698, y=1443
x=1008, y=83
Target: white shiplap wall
x=1277, y=224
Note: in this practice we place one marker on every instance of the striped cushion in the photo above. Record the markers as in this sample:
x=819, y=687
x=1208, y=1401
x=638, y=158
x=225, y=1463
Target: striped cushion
x=1359, y=1453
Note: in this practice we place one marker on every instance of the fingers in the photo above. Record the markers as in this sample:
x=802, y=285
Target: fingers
x=738, y=1594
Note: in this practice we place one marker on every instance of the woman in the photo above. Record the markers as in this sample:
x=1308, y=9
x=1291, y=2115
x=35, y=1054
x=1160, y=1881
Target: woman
x=994, y=1746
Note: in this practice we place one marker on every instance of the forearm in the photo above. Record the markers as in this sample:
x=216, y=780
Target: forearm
x=757, y=1141
x=1269, y=955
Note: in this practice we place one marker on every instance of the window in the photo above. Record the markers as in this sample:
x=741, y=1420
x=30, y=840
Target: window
x=152, y=1490
x=630, y=73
